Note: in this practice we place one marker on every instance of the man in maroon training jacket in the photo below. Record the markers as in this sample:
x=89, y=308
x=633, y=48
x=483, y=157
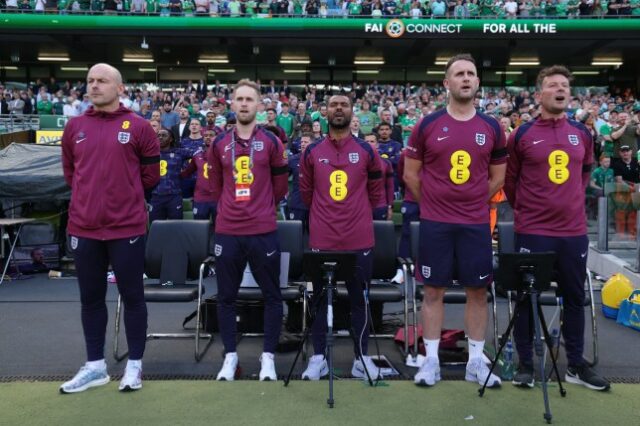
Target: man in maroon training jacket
x=110, y=156
x=248, y=177
x=341, y=181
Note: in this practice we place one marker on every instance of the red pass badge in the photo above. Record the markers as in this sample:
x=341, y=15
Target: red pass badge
x=243, y=192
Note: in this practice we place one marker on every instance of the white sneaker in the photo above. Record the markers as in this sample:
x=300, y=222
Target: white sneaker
x=132, y=378
x=358, y=369
x=229, y=367
x=317, y=368
x=477, y=371
x=267, y=368
x=398, y=278
x=85, y=378
x=429, y=372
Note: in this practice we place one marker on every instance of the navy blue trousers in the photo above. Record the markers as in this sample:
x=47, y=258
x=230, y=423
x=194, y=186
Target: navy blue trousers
x=355, y=286
x=410, y=213
x=165, y=207
x=126, y=256
x=262, y=252
x=571, y=268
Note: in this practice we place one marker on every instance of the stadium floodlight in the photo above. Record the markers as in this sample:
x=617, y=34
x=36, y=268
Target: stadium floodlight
x=146, y=59
x=53, y=58
x=74, y=68
x=606, y=63
x=367, y=71
x=509, y=72
x=294, y=71
x=143, y=69
x=222, y=70
x=524, y=63
x=9, y=68
x=435, y=72
x=585, y=72
x=368, y=61
x=219, y=59
x=294, y=60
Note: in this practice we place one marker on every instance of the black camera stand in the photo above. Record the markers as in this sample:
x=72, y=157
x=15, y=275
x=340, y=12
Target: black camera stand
x=529, y=274
x=328, y=268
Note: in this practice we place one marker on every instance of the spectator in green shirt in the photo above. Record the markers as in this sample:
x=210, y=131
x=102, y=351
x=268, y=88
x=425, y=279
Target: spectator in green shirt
x=368, y=119
x=44, y=106
x=321, y=117
x=602, y=175
x=285, y=120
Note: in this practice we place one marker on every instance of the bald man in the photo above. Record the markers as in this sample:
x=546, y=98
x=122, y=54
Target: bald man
x=110, y=157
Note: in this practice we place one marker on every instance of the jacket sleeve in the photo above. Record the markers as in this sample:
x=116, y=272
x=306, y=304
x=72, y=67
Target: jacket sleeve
x=375, y=181
x=279, y=171
x=513, y=170
x=67, y=153
x=306, y=178
x=149, y=154
x=215, y=173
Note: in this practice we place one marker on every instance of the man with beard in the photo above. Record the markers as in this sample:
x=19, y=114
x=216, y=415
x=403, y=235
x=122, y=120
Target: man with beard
x=548, y=171
x=248, y=177
x=455, y=162
x=296, y=208
x=340, y=181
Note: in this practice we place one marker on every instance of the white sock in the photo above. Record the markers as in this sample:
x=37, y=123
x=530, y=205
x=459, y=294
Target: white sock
x=134, y=363
x=431, y=348
x=97, y=365
x=268, y=354
x=476, y=348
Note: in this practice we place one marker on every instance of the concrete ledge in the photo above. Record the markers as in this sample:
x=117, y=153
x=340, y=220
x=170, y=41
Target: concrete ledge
x=606, y=264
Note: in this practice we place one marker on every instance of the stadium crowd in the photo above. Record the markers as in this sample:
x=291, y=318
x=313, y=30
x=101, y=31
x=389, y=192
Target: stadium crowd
x=336, y=8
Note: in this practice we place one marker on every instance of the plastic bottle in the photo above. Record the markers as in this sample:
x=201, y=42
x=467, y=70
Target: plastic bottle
x=507, y=362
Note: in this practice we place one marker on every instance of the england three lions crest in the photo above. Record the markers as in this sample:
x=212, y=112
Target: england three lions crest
x=354, y=157
x=481, y=139
x=123, y=137
x=573, y=139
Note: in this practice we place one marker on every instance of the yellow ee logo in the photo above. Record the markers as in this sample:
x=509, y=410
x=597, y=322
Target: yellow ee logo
x=205, y=171
x=163, y=167
x=126, y=124
x=558, y=162
x=460, y=162
x=338, y=190
x=244, y=175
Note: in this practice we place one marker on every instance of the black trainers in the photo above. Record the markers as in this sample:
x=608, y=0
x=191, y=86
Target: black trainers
x=524, y=376
x=586, y=376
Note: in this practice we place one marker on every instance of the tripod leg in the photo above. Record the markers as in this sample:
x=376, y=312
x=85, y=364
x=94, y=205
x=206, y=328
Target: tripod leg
x=549, y=343
x=503, y=341
x=307, y=331
x=330, y=288
x=539, y=352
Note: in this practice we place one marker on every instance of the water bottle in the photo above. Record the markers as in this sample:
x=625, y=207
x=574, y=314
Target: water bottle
x=507, y=362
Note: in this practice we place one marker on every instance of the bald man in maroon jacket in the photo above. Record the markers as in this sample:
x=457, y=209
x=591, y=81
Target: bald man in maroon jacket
x=110, y=156
x=248, y=177
x=341, y=181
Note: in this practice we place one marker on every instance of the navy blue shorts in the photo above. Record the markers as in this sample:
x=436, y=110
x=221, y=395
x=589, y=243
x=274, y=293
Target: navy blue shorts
x=380, y=213
x=451, y=251
x=164, y=207
x=205, y=211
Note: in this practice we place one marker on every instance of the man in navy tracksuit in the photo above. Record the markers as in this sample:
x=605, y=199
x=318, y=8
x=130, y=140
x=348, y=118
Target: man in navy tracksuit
x=110, y=156
x=248, y=178
x=297, y=209
x=166, y=197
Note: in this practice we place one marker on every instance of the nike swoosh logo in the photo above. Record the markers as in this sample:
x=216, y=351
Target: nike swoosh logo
x=80, y=140
x=270, y=253
x=537, y=142
x=134, y=240
x=442, y=138
x=482, y=277
x=366, y=253
x=583, y=255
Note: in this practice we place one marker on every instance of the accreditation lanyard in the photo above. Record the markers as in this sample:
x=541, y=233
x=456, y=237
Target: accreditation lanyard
x=242, y=176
